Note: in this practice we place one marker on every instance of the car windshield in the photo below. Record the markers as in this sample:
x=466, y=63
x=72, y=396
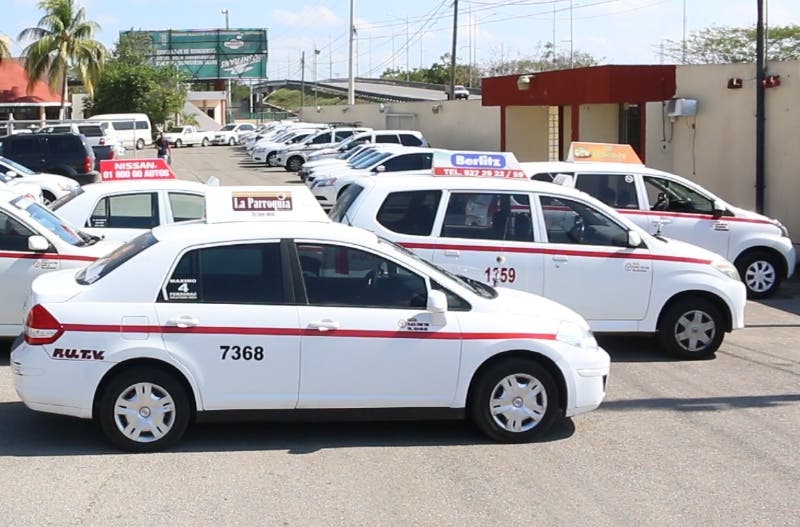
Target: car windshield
x=227, y=128
x=175, y=130
x=284, y=137
x=369, y=161
x=102, y=266
x=50, y=221
x=478, y=288
x=16, y=167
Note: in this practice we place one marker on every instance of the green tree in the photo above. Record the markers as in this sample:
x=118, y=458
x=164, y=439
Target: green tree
x=724, y=45
x=438, y=73
x=130, y=82
x=541, y=59
x=62, y=39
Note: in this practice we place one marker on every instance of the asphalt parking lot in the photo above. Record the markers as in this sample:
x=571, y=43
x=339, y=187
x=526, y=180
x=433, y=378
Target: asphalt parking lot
x=675, y=443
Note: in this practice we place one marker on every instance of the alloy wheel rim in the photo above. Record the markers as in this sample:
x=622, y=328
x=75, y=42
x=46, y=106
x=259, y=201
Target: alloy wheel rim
x=695, y=330
x=144, y=412
x=518, y=403
x=760, y=276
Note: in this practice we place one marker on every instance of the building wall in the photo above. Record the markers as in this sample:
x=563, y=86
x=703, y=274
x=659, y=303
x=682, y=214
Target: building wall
x=599, y=123
x=716, y=148
x=526, y=132
x=454, y=124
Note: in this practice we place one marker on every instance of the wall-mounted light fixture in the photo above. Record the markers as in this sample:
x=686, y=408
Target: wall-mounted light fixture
x=771, y=81
x=734, y=83
x=524, y=82
x=436, y=108
x=381, y=108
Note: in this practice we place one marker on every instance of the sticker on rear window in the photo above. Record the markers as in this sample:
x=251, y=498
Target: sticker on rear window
x=186, y=290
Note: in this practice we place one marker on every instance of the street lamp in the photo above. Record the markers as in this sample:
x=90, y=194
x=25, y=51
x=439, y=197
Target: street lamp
x=228, y=97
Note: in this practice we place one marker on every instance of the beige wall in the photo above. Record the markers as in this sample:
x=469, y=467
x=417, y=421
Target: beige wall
x=462, y=125
x=716, y=148
x=598, y=123
x=526, y=132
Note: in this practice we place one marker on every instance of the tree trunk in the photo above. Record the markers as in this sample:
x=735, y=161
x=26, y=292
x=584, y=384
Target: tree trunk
x=61, y=115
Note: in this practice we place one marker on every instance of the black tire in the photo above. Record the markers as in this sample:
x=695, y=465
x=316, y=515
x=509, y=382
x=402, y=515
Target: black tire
x=139, y=144
x=487, y=388
x=271, y=157
x=48, y=197
x=293, y=164
x=677, y=338
x=205, y=142
x=231, y=141
x=761, y=273
x=163, y=383
x=178, y=143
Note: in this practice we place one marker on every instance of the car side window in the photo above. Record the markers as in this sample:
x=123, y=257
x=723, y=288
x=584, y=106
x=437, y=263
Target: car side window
x=343, y=276
x=488, y=216
x=403, y=162
x=454, y=302
x=410, y=212
x=410, y=140
x=671, y=196
x=322, y=139
x=573, y=222
x=615, y=190
x=126, y=211
x=207, y=276
x=65, y=144
x=141, y=125
x=25, y=145
x=186, y=207
x=341, y=135
x=547, y=177
x=13, y=234
x=390, y=138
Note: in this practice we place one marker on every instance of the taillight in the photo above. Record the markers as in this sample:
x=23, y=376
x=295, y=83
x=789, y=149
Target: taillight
x=111, y=155
x=88, y=165
x=41, y=327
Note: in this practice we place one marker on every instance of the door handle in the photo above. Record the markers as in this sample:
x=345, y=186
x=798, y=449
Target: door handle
x=184, y=321
x=560, y=258
x=323, y=325
x=661, y=220
x=452, y=252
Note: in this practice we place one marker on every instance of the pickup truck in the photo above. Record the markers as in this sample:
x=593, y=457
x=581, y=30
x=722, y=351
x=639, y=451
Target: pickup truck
x=179, y=136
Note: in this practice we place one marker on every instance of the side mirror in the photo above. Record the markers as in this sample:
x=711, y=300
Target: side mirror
x=38, y=244
x=719, y=208
x=380, y=169
x=634, y=239
x=437, y=302
x=212, y=181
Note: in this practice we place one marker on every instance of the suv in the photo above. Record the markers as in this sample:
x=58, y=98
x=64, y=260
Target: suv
x=64, y=154
x=96, y=134
x=293, y=157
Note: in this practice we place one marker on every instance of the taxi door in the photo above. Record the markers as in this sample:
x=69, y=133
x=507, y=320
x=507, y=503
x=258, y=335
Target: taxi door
x=19, y=266
x=368, y=340
x=234, y=326
x=587, y=264
x=685, y=214
x=488, y=236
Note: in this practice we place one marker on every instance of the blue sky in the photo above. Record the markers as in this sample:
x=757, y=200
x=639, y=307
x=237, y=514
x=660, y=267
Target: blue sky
x=618, y=31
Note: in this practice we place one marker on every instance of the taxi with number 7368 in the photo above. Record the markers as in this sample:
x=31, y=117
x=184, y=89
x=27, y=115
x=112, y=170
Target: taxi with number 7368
x=193, y=321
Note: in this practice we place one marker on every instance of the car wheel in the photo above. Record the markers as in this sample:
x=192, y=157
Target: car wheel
x=760, y=272
x=514, y=401
x=205, y=142
x=294, y=164
x=272, y=159
x=692, y=328
x=48, y=197
x=144, y=409
x=178, y=143
x=231, y=141
x=139, y=144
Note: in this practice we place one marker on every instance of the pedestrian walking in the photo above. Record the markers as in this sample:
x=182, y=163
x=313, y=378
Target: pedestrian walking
x=164, y=151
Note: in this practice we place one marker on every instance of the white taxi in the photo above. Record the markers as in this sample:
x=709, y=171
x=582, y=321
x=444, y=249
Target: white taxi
x=34, y=241
x=560, y=243
x=661, y=202
x=121, y=210
x=304, y=316
x=50, y=186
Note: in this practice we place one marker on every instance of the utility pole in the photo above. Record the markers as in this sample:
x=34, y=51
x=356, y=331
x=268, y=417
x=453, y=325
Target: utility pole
x=571, y=36
x=452, y=91
x=408, y=43
x=351, y=81
x=555, y=61
x=760, y=109
x=683, y=40
x=316, y=54
x=393, y=51
x=330, y=57
x=302, y=79
x=228, y=97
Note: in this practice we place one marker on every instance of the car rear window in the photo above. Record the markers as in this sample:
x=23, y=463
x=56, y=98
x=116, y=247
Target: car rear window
x=91, y=131
x=101, y=267
x=349, y=195
x=410, y=212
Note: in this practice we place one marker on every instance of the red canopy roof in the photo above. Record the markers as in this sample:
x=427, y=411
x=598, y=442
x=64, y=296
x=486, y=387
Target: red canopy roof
x=14, y=82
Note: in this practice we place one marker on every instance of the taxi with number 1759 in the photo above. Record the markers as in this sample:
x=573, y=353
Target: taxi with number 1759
x=304, y=316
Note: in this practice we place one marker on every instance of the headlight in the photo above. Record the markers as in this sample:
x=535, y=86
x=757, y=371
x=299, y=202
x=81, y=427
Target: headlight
x=727, y=269
x=574, y=335
x=782, y=227
x=325, y=182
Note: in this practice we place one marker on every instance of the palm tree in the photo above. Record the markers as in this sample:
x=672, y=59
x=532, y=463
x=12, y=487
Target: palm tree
x=63, y=39
x=5, y=50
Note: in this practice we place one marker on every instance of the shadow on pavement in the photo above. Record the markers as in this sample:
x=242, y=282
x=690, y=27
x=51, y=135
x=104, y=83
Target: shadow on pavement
x=702, y=404
x=637, y=348
x=28, y=433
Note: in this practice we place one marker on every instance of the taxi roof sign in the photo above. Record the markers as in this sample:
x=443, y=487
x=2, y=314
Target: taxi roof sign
x=135, y=169
x=477, y=164
x=262, y=203
x=602, y=153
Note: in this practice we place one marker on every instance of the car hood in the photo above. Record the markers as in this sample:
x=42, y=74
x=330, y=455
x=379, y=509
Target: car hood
x=748, y=214
x=270, y=145
x=679, y=251
x=527, y=304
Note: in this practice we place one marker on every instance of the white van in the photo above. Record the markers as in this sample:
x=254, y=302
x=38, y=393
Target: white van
x=669, y=205
x=133, y=129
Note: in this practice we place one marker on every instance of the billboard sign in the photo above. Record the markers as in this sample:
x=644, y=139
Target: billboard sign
x=212, y=53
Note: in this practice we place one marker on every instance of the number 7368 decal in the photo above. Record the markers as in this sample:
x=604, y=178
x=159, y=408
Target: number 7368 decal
x=242, y=352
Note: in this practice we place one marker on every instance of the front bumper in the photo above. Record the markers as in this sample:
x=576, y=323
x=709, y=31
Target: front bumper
x=589, y=379
x=220, y=141
x=261, y=157
x=326, y=196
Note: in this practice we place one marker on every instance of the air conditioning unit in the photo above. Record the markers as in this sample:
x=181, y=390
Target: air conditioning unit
x=681, y=107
